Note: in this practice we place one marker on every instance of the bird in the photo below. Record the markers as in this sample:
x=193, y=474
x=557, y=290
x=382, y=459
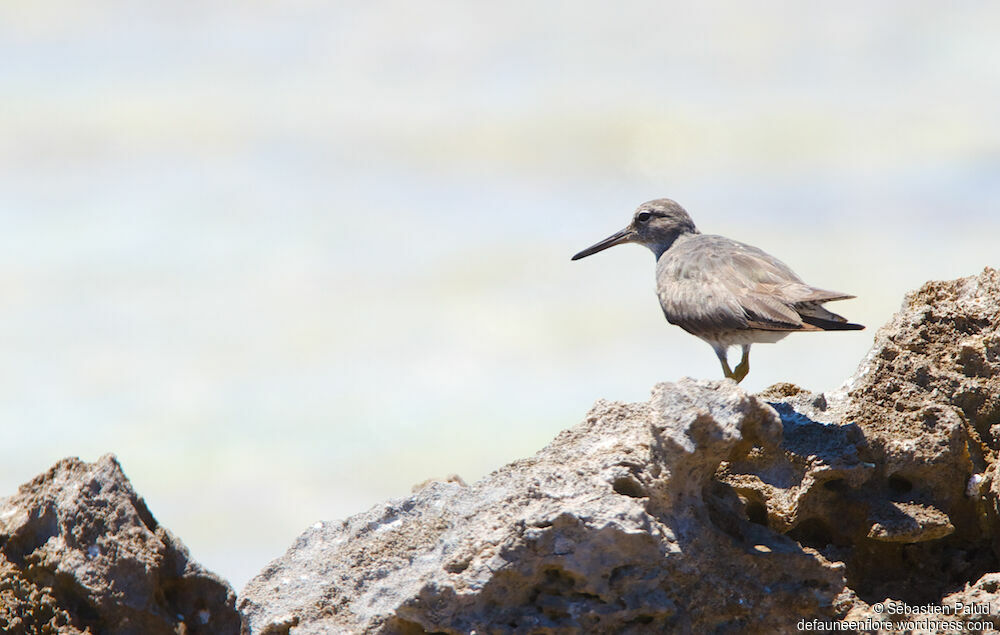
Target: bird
x=723, y=291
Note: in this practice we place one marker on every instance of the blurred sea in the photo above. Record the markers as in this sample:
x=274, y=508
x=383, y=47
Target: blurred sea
x=287, y=259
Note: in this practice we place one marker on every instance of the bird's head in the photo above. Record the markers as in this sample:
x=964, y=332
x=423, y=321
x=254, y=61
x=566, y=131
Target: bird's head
x=655, y=224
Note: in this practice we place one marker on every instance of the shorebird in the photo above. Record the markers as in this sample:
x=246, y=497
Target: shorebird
x=723, y=291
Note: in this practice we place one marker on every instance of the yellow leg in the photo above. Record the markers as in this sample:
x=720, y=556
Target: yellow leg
x=720, y=352
x=744, y=366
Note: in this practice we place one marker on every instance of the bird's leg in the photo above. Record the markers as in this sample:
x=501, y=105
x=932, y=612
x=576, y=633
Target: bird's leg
x=744, y=366
x=720, y=352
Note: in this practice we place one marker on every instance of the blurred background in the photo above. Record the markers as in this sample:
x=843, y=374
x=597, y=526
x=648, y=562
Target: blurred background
x=287, y=259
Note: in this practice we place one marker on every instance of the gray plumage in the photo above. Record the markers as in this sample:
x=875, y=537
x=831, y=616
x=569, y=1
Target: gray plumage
x=723, y=291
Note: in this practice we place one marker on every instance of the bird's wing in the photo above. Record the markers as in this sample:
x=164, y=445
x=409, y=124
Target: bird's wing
x=708, y=283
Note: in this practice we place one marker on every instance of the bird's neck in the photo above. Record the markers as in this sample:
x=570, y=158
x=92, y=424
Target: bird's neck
x=660, y=247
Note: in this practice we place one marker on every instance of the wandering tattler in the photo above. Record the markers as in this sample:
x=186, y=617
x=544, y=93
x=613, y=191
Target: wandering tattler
x=723, y=291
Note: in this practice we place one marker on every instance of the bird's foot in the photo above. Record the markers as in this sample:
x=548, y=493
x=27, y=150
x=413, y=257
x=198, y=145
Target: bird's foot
x=740, y=371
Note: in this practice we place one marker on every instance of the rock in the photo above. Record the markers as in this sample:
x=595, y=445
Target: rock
x=703, y=510
x=80, y=552
x=451, y=478
x=616, y=526
x=923, y=407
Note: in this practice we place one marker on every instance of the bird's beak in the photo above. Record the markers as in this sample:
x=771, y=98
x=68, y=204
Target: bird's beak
x=624, y=236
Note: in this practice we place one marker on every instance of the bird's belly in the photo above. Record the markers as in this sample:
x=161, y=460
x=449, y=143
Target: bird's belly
x=742, y=337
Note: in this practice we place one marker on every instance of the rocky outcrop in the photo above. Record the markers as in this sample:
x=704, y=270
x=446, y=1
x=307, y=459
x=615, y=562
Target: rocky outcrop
x=614, y=527
x=917, y=518
x=702, y=510
x=81, y=553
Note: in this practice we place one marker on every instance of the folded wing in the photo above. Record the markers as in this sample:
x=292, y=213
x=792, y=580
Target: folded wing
x=711, y=283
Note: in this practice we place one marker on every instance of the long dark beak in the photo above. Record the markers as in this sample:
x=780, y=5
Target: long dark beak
x=623, y=236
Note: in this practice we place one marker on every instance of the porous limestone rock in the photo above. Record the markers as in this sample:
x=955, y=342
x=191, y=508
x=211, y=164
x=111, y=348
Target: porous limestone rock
x=81, y=553
x=617, y=526
x=912, y=509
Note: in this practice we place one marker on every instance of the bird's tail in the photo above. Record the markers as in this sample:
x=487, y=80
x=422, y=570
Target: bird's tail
x=819, y=316
x=832, y=325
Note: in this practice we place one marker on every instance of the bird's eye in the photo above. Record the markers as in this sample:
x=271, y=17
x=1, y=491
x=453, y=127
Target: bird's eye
x=642, y=217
